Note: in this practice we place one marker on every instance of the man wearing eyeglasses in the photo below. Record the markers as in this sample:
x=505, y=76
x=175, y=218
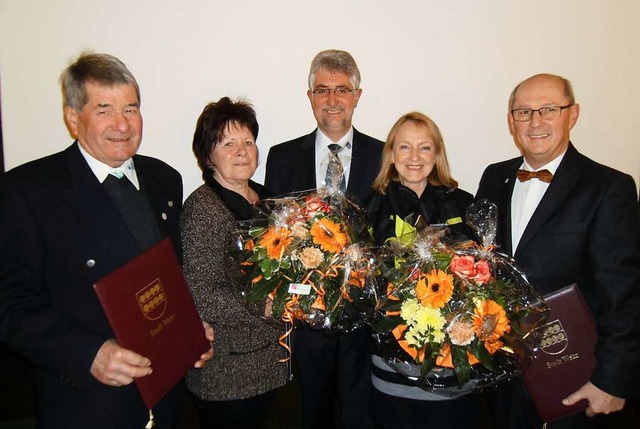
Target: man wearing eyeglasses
x=567, y=219
x=333, y=369
x=300, y=164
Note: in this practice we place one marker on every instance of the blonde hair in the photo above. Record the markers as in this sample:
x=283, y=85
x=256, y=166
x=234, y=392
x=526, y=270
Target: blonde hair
x=440, y=175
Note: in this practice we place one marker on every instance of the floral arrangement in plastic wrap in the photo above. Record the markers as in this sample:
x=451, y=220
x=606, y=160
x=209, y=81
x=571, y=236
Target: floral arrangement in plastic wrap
x=456, y=318
x=308, y=257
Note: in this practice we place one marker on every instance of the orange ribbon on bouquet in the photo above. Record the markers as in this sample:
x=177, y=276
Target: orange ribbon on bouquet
x=292, y=308
x=288, y=317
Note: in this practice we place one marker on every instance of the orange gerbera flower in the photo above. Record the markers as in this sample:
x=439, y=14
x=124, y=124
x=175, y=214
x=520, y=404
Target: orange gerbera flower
x=490, y=321
x=444, y=357
x=275, y=241
x=436, y=291
x=327, y=234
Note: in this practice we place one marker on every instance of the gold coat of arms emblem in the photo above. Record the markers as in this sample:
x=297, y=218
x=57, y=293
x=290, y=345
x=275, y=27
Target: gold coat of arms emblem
x=554, y=338
x=152, y=300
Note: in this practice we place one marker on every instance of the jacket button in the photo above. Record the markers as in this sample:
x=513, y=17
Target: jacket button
x=91, y=263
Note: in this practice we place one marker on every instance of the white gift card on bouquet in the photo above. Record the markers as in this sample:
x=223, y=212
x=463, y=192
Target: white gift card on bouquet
x=300, y=289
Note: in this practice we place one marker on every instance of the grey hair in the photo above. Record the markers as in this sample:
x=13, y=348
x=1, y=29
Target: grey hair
x=335, y=60
x=103, y=69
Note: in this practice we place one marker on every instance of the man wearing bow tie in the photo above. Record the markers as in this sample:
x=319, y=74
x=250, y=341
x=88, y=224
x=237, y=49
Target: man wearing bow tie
x=567, y=219
x=332, y=369
x=66, y=221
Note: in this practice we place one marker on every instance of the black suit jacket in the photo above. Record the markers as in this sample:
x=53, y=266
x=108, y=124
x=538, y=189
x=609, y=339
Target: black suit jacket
x=291, y=166
x=59, y=233
x=585, y=230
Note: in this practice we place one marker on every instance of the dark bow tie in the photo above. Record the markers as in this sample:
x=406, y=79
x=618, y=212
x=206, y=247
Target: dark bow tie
x=543, y=175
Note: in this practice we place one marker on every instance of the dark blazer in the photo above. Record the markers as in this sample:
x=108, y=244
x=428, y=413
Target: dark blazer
x=330, y=367
x=59, y=233
x=291, y=166
x=436, y=205
x=585, y=230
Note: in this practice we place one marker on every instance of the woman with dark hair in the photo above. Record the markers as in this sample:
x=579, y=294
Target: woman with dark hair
x=414, y=184
x=236, y=389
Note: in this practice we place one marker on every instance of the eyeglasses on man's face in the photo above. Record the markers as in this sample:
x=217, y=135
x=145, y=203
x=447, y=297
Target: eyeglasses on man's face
x=339, y=91
x=549, y=113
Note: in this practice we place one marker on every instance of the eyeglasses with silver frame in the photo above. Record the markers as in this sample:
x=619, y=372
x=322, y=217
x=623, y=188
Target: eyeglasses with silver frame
x=339, y=91
x=549, y=113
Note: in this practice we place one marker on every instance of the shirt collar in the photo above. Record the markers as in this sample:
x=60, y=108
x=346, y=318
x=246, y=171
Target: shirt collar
x=102, y=170
x=551, y=166
x=324, y=141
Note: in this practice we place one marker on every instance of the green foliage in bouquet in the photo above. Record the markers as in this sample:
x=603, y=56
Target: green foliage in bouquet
x=454, y=307
x=309, y=262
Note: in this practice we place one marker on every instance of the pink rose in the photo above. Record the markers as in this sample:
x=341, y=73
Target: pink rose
x=463, y=266
x=483, y=273
x=314, y=205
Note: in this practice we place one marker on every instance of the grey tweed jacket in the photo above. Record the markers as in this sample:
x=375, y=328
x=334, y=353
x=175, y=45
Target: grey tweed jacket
x=246, y=350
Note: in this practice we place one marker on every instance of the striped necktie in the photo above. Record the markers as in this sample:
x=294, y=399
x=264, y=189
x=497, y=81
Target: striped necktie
x=335, y=171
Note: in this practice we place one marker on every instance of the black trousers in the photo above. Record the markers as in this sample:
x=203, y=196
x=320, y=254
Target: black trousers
x=391, y=412
x=249, y=413
x=336, y=378
x=512, y=408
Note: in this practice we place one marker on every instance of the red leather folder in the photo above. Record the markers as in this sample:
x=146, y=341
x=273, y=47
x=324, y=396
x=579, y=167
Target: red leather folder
x=151, y=312
x=565, y=360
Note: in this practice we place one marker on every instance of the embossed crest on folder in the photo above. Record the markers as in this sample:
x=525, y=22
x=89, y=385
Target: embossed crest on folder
x=566, y=358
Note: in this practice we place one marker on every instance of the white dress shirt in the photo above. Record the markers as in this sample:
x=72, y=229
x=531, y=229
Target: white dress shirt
x=102, y=170
x=322, y=155
x=525, y=199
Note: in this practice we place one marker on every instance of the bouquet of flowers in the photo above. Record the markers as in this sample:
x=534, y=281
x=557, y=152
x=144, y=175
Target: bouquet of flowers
x=308, y=258
x=453, y=309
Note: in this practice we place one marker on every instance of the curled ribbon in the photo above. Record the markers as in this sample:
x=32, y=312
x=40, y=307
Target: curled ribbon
x=333, y=272
x=288, y=316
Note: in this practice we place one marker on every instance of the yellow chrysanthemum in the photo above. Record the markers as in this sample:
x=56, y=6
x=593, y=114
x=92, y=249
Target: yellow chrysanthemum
x=408, y=309
x=327, y=234
x=425, y=323
x=430, y=319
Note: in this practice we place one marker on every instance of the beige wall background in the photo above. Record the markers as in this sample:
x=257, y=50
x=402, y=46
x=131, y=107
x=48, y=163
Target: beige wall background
x=456, y=61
